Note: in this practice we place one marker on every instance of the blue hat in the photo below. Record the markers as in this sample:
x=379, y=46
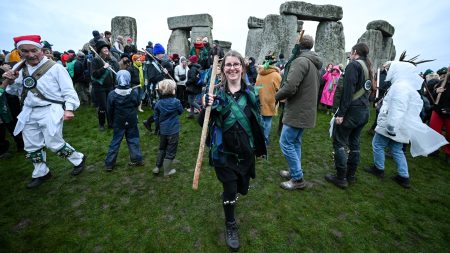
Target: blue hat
x=158, y=49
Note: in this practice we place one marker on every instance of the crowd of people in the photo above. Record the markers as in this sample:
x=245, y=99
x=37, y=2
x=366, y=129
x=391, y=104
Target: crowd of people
x=41, y=88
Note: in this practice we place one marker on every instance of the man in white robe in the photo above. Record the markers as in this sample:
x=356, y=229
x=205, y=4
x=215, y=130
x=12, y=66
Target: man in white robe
x=45, y=107
x=399, y=122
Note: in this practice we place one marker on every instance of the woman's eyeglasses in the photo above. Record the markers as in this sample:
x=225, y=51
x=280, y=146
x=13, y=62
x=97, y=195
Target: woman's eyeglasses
x=234, y=65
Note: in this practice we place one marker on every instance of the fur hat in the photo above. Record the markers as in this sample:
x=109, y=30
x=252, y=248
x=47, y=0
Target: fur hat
x=193, y=58
x=101, y=44
x=158, y=49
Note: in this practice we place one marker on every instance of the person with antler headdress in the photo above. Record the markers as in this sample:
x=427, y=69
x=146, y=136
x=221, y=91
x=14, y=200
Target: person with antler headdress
x=399, y=122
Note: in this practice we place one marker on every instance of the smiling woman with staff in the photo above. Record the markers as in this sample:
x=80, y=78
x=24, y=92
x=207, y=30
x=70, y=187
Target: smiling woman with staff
x=236, y=137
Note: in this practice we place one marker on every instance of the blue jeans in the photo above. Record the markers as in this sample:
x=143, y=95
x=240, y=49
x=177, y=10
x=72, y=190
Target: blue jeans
x=193, y=103
x=291, y=146
x=379, y=143
x=267, y=122
x=134, y=147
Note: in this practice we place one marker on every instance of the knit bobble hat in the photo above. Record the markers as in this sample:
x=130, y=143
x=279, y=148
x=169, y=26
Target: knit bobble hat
x=193, y=58
x=158, y=49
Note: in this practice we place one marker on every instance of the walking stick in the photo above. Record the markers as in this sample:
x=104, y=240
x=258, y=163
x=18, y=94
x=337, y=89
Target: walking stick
x=442, y=86
x=149, y=54
x=201, y=149
x=95, y=52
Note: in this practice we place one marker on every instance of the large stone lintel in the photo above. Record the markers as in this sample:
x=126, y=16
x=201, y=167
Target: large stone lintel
x=383, y=26
x=254, y=22
x=188, y=21
x=313, y=12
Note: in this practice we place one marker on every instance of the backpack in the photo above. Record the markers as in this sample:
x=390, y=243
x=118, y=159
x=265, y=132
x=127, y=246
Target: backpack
x=202, y=77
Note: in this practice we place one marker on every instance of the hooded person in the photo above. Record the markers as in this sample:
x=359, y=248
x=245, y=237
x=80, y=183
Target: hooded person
x=268, y=83
x=181, y=76
x=121, y=108
x=331, y=79
x=399, y=122
x=48, y=98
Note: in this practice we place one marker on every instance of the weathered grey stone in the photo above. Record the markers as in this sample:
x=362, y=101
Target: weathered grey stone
x=225, y=45
x=381, y=49
x=299, y=25
x=201, y=32
x=314, y=12
x=124, y=26
x=330, y=42
x=189, y=21
x=383, y=26
x=254, y=42
x=178, y=42
x=254, y=22
x=279, y=36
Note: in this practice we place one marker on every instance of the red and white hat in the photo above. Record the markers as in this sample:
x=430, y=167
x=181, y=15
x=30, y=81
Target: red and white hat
x=34, y=40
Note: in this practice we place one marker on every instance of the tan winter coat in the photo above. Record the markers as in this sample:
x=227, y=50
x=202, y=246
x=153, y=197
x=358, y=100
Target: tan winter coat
x=270, y=80
x=301, y=89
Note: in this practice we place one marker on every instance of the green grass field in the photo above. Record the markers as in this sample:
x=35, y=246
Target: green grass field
x=131, y=210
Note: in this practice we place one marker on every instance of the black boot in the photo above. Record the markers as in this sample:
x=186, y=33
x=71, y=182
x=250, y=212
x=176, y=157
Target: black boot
x=101, y=119
x=232, y=236
x=375, y=171
x=351, y=174
x=402, y=181
x=339, y=179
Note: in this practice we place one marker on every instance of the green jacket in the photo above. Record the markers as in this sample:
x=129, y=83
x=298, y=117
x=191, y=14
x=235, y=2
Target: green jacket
x=300, y=88
x=218, y=123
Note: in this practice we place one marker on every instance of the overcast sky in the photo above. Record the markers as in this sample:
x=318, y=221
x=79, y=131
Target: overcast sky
x=421, y=27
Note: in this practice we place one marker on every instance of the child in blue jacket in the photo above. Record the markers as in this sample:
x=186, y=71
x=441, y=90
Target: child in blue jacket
x=167, y=113
x=122, y=106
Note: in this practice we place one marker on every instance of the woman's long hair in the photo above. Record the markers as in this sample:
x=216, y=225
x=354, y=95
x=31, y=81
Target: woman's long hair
x=363, y=51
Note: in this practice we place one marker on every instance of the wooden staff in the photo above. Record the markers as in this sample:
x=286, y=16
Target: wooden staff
x=95, y=52
x=157, y=62
x=442, y=86
x=201, y=149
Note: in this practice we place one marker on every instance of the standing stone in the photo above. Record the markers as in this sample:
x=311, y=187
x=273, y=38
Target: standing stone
x=124, y=26
x=254, y=41
x=381, y=49
x=201, y=32
x=279, y=35
x=313, y=12
x=178, y=42
x=330, y=42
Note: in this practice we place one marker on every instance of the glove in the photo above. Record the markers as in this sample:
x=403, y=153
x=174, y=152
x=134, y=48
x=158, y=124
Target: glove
x=390, y=130
x=206, y=101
